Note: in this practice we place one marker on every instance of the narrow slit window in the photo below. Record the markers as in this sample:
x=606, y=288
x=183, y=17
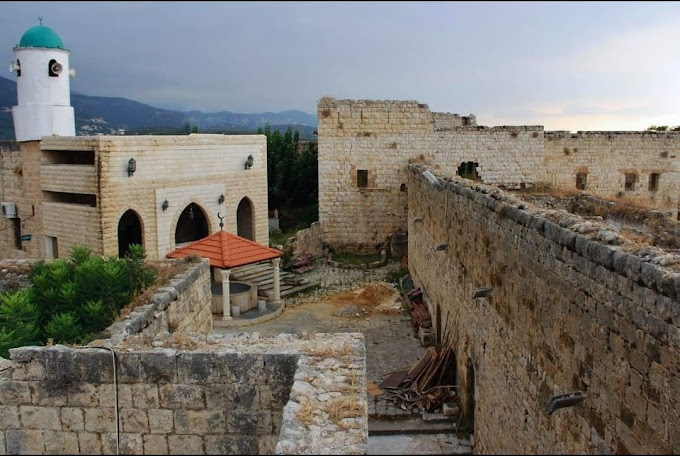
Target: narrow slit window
x=581, y=181
x=17, y=233
x=362, y=178
x=653, y=182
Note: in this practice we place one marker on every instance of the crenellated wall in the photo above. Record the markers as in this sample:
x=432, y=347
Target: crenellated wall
x=567, y=313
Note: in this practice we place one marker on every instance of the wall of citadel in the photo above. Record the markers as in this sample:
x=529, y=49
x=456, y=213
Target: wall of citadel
x=567, y=314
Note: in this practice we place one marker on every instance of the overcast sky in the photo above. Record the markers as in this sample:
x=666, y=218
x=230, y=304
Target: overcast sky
x=568, y=66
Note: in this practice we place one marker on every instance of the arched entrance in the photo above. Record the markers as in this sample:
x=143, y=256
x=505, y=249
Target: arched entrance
x=129, y=231
x=192, y=225
x=244, y=219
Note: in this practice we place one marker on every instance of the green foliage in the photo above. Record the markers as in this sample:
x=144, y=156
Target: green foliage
x=292, y=176
x=194, y=129
x=663, y=128
x=17, y=321
x=71, y=299
x=64, y=328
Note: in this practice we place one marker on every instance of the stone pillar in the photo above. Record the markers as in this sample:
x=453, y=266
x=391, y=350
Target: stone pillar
x=277, y=282
x=226, y=299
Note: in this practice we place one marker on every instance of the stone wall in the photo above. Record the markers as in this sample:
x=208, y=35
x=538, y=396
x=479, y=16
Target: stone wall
x=225, y=395
x=309, y=240
x=607, y=156
x=567, y=313
x=183, y=307
x=381, y=139
x=21, y=186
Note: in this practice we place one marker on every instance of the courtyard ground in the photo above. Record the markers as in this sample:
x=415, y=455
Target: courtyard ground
x=349, y=300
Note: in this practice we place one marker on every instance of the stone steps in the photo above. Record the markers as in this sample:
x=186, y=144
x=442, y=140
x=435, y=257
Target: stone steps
x=262, y=275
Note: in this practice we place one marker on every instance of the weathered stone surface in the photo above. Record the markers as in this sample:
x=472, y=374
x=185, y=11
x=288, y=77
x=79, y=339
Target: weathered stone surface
x=186, y=444
x=161, y=421
x=134, y=420
x=100, y=420
x=89, y=443
x=24, y=442
x=40, y=417
x=156, y=444
x=72, y=419
x=182, y=396
x=60, y=442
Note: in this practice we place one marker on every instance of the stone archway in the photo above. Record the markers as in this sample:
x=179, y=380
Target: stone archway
x=192, y=225
x=129, y=231
x=244, y=219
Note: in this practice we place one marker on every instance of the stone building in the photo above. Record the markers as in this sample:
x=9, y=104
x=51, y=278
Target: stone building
x=366, y=145
x=107, y=192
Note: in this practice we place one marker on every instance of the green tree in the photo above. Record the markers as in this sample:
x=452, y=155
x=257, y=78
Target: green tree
x=187, y=128
x=194, y=129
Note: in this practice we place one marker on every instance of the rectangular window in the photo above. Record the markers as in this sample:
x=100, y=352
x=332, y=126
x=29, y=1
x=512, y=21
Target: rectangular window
x=653, y=182
x=51, y=248
x=631, y=178
x=362, y=178
x=581, y=180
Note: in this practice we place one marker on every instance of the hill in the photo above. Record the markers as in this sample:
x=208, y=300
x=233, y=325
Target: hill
x=107, y=115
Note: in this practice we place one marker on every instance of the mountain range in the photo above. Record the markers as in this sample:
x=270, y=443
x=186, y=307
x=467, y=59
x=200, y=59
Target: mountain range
x=107, y=115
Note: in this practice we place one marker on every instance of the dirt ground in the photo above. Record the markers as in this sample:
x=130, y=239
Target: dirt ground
x=366, y=304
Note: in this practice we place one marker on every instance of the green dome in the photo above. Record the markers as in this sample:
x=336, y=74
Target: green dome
x=41, y=36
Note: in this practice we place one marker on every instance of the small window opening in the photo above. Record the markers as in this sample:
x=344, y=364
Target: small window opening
x=653, y=182
x=581, y=181
x=362, y=178
x=18, y=68
x=468, y=170
x=17, y=232
x=631, y=178
x=54, y=68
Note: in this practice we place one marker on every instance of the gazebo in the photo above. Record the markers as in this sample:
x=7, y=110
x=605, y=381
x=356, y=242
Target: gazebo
x=226, y=251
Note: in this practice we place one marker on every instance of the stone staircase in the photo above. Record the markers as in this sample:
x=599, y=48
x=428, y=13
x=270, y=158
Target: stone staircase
x=262, y=275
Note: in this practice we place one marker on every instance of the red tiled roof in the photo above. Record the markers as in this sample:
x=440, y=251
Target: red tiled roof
x=227, y=250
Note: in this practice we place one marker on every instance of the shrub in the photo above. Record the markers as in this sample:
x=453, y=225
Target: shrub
x=18, y=319
x=64, y=328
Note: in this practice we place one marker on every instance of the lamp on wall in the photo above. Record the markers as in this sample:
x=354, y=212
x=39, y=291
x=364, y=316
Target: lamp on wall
x=220, y=200
x=132, y=166
x=249, y=162
x=165, y=205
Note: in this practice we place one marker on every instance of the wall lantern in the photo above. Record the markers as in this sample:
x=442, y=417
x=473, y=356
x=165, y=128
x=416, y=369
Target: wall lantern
x=165, y=205
x=249, y=162
x=132, y=166
x=220, y=200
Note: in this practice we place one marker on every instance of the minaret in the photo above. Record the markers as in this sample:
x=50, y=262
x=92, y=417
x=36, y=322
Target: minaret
x=43, y=86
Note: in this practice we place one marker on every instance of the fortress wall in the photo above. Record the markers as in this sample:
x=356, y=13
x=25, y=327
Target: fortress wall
x=606, y=156
x=567, y=314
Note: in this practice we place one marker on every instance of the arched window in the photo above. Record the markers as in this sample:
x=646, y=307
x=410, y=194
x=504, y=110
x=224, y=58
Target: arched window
x=129, y=232
x=192, y=225
x=581, y=181
x=244, y=219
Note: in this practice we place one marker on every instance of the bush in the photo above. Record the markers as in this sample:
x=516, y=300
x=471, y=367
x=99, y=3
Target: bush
x=64, y=328
x=71, y=299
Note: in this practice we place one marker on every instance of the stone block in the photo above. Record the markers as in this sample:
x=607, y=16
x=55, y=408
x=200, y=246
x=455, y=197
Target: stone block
x=90, y=443
x=145, y=396
x=60, y=442
x=186, y=444
x=9, y=417
x=155, y=444
x=182, y=396
x=24, y=442
x=199, y=421
x=107, y=396
x=83, y=395
x=134, y=420
x=72, y=419
x=241, y=422
x=14, y=393
x=131, y=443
x=158, y=367
x=128, y=369
x=40, y=417
x=100, y=420
x=161, y=421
